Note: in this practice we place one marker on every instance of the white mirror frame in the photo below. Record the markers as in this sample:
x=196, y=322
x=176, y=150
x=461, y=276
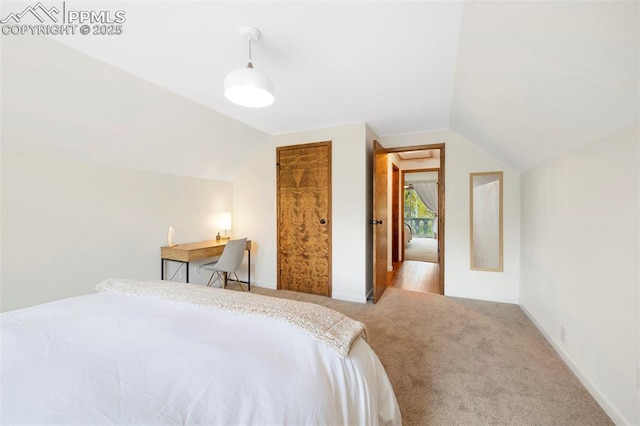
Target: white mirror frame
x=486, y=221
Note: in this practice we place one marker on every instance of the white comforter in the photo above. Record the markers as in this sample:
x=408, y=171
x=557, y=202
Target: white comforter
x=110, y=359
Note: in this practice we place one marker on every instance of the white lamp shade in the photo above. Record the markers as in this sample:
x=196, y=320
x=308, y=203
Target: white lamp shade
x=248, y=87
x=223, y=221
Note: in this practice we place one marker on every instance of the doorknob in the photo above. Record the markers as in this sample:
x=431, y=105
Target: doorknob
x=375, y=222
x=322, y=221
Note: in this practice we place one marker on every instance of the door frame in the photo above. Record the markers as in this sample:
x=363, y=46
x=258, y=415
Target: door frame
x=396, y=251
x=402, y=180
x=441, y=202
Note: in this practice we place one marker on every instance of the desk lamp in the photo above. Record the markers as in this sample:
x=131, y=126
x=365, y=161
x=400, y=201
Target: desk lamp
x=224, y=223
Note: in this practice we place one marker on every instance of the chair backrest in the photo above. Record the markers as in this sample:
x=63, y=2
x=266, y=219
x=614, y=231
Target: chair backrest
x=232, y=255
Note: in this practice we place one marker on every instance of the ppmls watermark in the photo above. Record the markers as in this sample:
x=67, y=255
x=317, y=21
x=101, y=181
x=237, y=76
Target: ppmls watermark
x=40, y=20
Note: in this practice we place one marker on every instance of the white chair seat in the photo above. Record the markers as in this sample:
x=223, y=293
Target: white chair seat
x=226, y=266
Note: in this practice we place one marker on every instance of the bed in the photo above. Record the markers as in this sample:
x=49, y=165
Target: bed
x=172, y=353
x=407, y=234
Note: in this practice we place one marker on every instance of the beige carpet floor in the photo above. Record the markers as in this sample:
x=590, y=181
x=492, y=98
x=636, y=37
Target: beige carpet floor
x=464, y=362
x=422, y=249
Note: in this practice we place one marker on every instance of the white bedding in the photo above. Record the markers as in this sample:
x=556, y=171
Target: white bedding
x=110, y=359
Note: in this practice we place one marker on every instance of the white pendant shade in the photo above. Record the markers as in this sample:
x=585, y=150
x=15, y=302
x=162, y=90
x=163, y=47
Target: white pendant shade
x=248, y=87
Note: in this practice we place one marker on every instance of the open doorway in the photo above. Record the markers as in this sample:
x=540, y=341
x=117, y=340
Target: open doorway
x=420, y=207
x=417, y=215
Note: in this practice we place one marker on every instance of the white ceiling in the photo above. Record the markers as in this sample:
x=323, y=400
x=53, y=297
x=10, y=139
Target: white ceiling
x=389, y=64
x=539, y=79
x=525, y=81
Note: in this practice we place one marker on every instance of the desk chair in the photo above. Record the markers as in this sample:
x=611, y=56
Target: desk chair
x=228, y=264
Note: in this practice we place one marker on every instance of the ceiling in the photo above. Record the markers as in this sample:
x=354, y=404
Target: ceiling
x=525, y=81
x=389, y=64
x=419, y=155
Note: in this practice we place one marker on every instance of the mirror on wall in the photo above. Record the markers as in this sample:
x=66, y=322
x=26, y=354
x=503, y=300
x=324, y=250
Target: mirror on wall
x=486, y=221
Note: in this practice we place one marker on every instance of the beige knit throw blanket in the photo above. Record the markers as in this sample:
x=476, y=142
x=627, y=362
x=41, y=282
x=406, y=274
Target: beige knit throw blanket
x=333, y=329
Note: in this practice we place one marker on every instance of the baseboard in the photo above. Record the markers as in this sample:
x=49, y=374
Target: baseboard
x=611, y=411
x=261, y=284
x=480, y=297
x=349, y=298
x=339, y=296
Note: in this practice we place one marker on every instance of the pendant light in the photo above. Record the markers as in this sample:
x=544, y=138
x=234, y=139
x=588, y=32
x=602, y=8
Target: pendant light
x=249, y=87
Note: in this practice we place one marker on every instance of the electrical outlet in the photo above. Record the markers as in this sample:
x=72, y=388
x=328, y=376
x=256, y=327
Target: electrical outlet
x=563, y=334
x=198, y=270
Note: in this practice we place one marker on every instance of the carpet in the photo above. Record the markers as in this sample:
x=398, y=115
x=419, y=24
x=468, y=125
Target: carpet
x=465, y=362
x=422, y=249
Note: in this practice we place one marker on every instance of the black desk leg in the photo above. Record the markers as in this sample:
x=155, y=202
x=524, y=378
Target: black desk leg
x=162, y=264
x=249, y=270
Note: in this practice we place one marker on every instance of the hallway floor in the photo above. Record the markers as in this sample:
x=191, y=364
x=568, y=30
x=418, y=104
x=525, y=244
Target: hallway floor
x=415, y=276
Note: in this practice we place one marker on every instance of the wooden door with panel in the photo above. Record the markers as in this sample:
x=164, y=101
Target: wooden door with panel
x=304, y=218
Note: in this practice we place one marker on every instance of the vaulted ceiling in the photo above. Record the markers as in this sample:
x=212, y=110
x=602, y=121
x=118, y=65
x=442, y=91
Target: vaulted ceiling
x=525, y=81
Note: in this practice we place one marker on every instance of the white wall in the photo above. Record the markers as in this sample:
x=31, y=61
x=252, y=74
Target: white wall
x=73, y=210
x=580, y=238
x=254, y=198
x=423, y=177
x=462, y=158
x=67, y=224
x=61, y=101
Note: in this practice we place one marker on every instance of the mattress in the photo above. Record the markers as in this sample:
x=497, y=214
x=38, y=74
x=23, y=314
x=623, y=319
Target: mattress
x=106, y=358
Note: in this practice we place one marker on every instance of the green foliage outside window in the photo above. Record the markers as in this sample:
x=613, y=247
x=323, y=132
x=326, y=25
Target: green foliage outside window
x=417, y=215
x=413, y=207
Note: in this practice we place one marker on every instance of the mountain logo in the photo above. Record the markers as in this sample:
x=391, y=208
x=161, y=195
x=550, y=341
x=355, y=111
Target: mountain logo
x=38, y=11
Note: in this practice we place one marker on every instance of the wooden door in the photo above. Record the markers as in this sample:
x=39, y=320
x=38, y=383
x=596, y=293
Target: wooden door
x=395, y=215
x=304, y=218
x=379, y=221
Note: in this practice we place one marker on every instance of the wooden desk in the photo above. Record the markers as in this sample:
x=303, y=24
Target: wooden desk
x=189, y=252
